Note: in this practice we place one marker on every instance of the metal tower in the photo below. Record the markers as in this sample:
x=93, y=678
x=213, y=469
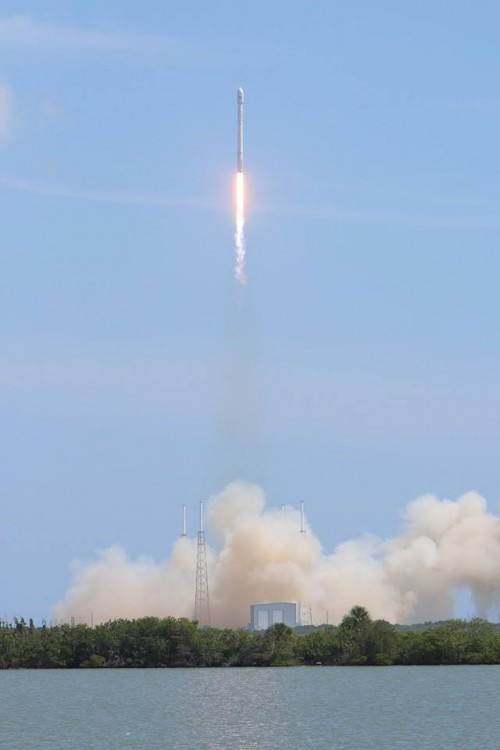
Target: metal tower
x=304, y=614
x=201, y=599
x=304, y=611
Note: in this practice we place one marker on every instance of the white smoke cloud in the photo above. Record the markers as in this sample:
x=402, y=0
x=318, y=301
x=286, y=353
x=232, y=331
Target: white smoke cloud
x=5, y=111
x=113, y=586
x=29, y=35
x=261, y=556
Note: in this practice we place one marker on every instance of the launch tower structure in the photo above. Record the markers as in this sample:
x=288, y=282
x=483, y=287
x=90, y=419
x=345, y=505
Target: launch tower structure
x=201, y=598
x=304, y=614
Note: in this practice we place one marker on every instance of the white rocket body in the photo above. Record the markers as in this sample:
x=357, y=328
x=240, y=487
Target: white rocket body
x=241, y=99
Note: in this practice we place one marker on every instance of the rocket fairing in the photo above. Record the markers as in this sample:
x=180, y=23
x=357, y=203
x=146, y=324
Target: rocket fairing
x=240, y=130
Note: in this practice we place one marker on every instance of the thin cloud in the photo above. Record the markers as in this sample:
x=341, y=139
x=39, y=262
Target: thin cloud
x=364, y=216
x=5, y=111
x=331, y=213
x=138, y=199
x=479, y=104
x=23, y=32
x=150, y=385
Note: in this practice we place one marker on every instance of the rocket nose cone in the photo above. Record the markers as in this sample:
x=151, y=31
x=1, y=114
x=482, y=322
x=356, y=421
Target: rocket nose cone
x=240, y=95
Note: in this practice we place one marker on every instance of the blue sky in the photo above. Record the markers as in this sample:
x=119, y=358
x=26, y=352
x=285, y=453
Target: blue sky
x=367, y=338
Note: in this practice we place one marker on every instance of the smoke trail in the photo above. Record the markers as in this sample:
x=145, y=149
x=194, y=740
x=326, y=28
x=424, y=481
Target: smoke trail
x=239, y=236
x=261, y=556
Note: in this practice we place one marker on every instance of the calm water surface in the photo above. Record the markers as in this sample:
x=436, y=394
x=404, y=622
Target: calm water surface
x=422, y=708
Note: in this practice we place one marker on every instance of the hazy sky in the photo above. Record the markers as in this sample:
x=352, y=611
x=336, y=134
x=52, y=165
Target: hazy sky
x=363, y=357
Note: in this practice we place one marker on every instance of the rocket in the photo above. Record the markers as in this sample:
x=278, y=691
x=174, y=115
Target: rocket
x=240, y=130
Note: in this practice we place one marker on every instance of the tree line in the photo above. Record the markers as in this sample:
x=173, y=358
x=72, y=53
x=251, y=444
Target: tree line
x=171, y=642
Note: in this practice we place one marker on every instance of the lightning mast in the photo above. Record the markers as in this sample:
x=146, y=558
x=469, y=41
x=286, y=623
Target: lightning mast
x=183, y=533
x=201, y=599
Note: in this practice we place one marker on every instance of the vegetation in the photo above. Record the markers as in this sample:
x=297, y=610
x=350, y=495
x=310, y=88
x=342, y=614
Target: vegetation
x=170, y=642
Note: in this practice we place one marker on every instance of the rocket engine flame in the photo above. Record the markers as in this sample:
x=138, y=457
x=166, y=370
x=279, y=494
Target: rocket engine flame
x=239, y=236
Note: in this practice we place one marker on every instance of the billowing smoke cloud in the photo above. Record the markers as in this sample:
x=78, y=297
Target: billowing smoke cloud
x=113, y=586
x=259, y=555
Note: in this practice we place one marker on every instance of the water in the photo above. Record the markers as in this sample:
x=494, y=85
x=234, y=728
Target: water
x=387, y=708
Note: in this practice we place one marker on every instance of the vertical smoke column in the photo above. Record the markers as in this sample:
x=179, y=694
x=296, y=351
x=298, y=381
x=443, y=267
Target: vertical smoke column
x=239, y=237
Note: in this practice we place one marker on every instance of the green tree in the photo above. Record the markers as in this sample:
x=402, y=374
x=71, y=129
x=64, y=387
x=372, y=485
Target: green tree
x=278, y=645
x=321, y=646
x=354, y=632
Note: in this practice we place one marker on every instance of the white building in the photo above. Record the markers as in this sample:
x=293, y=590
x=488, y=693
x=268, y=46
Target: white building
x=262, y=616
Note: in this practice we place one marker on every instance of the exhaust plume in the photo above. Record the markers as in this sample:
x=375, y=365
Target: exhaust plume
x=259, y=555
x=239, y=236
